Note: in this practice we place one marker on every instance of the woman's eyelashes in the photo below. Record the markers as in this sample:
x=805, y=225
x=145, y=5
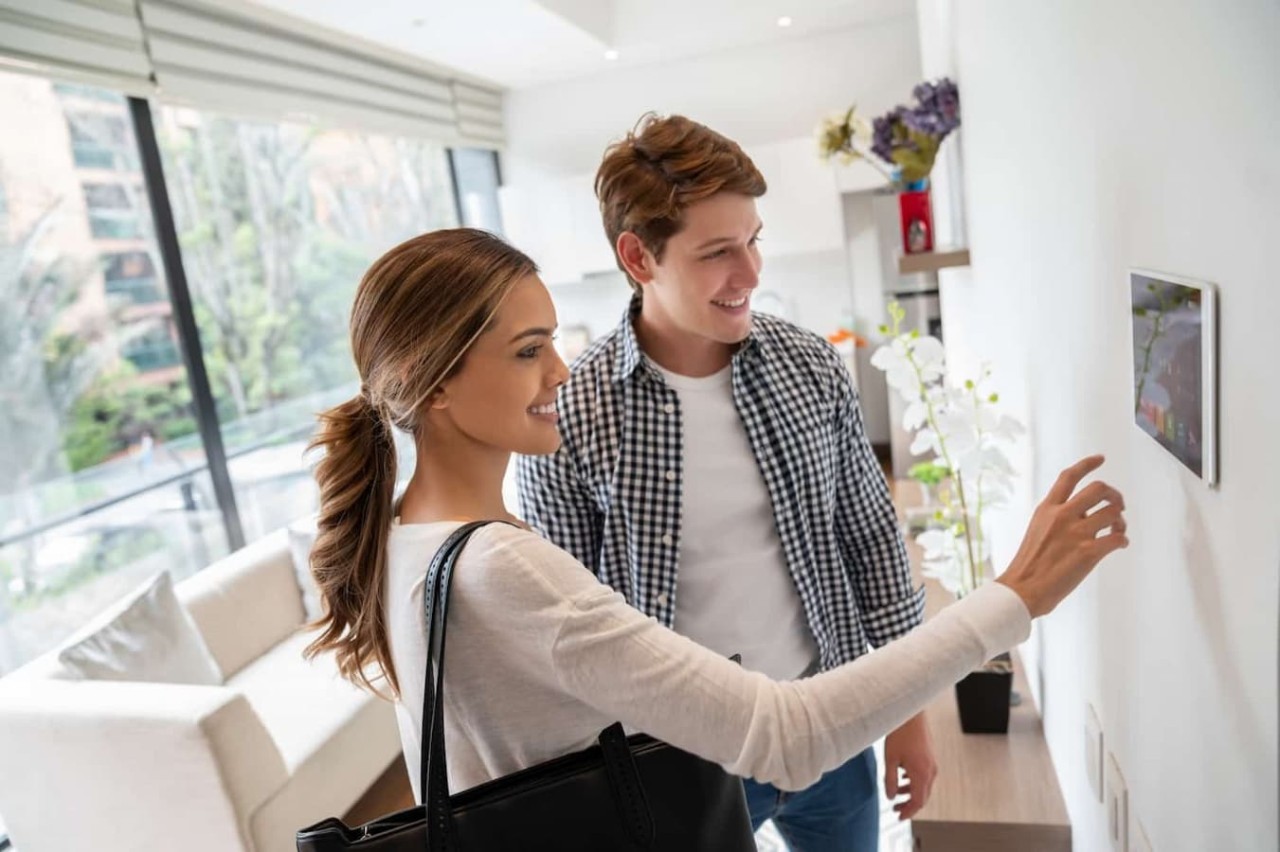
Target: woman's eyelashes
x=534, y=350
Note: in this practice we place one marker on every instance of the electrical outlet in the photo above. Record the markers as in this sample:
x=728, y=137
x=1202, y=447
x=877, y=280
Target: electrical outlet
x=1093, y=751
x=1140, y=841
x=1117, y=807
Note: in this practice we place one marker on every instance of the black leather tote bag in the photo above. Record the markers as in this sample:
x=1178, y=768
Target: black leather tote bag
x=624, y=793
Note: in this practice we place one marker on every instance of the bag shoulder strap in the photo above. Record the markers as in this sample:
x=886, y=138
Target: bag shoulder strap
x=623, y=776
x=433, y=776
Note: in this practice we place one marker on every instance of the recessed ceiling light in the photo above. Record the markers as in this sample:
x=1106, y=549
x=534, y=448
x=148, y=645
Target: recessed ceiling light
x=784, y=21
x=611, y=55
x=417, y=22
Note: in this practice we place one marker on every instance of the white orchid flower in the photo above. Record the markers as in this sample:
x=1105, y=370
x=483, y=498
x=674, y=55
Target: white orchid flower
x=1009, y=429
x=930, y=357
x=961, y=426
x=915, y=415
x=935, y=543
x=948, y=574
x=898, y=372
x=959, y=431
x=926, y=440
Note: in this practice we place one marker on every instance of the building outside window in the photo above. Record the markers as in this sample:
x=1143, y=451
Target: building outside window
x=131, y=276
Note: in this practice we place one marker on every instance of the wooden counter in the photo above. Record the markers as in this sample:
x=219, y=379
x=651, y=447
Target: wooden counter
x=994, y=792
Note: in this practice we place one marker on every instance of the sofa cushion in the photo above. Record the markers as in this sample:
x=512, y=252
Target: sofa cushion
x=302, y=703
x=148, y=637
x=335, y=739
x=245, y=603
x=302, y=537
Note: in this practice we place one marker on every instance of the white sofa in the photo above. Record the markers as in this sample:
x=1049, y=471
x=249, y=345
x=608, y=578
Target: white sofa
x=155, y=767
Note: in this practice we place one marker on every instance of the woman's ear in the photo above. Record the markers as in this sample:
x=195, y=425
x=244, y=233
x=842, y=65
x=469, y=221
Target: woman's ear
x=439, y=399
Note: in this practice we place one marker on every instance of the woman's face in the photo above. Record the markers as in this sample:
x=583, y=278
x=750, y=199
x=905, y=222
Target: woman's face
x=504, y=396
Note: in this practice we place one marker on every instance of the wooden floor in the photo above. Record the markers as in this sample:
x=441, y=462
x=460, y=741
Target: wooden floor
x=390, y=793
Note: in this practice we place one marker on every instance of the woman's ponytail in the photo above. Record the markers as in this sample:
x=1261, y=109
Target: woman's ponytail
x=357, y=477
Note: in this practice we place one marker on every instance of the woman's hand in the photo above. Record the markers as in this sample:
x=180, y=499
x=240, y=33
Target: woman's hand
x=1063, y=541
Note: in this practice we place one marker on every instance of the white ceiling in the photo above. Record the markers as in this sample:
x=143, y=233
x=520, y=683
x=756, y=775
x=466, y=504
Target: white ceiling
x=522, y=43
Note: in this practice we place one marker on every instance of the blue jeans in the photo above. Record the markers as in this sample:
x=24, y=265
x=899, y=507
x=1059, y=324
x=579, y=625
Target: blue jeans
x=840, y=813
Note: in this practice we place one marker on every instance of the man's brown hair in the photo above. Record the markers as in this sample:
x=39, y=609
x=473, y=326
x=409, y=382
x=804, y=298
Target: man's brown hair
x=648, y=179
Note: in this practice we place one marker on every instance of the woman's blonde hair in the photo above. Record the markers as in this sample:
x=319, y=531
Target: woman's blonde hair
x=417, y=311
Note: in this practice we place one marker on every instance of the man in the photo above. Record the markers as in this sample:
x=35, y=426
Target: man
x=715, y=470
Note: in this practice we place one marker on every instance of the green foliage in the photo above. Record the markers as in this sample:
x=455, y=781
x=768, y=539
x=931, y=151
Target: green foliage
x=273, y=279
x=915, y=160
x=929, y=472
x=116, y=410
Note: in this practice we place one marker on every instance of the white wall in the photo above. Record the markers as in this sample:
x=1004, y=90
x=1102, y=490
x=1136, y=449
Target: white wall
x=1100, y=135
x=753, y=95
x=762, y=95
x=811, y=290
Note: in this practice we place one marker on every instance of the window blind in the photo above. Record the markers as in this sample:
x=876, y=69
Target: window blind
x=238, y=57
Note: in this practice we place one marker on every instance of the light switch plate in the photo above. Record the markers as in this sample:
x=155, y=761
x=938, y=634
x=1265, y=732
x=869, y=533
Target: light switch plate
x=1117, y=807
x=1140, y=841
x=1093, y=751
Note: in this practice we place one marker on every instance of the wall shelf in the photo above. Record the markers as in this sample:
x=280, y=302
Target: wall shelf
x=995, y=791
x=932, y=261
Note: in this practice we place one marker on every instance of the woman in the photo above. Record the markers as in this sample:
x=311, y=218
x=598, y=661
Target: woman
x=451, y=333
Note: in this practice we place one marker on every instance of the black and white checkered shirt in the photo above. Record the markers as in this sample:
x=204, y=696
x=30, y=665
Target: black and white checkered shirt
x=611, y=494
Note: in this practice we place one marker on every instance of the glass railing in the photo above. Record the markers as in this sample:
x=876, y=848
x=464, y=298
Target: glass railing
x=55, y=580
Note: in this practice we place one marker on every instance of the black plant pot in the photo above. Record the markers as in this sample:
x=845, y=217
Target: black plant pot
x=983, y=699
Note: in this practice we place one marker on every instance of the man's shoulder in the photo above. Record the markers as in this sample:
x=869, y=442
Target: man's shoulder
x=785, y=342
x=590, y=379
x=599, y=357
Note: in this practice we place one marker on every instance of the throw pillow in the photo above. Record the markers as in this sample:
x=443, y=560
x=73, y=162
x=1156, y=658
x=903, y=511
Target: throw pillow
x=150, y=638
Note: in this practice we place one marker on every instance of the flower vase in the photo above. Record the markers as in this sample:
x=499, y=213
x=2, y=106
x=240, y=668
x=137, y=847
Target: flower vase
x=984, y=695
x=916, y=213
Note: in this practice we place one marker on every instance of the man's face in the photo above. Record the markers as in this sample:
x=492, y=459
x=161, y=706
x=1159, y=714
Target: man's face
x=700, y=292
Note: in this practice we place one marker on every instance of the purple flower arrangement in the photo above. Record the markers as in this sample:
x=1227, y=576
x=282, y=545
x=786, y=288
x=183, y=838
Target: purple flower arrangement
x=909, y=136
x=906, y=138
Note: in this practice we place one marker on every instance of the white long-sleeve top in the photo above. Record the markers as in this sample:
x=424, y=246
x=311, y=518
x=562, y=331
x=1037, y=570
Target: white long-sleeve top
x=541, y=657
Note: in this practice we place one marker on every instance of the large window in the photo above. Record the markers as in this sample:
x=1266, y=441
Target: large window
x=103, y=476
x=277, y=223
x=475, y=172
x=104, y=479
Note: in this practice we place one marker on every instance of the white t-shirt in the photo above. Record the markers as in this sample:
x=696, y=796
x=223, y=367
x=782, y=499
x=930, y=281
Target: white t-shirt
x=542, y=656
x=734, y=592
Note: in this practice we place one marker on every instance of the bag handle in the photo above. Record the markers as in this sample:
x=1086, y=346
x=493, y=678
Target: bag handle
x=620, y=767
x=433, y=779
